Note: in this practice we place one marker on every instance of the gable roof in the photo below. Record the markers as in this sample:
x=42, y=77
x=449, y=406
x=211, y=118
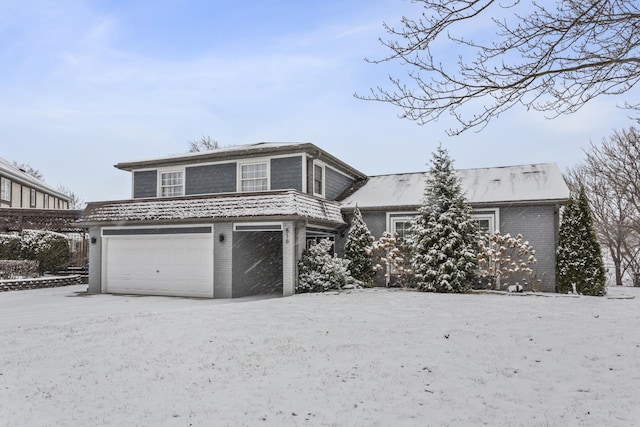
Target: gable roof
x=271, y=204
x=243, y=151
x=497, y=185
x=14, y=173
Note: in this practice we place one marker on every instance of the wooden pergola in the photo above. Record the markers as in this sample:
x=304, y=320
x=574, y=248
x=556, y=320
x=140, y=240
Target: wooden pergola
x=62, y=221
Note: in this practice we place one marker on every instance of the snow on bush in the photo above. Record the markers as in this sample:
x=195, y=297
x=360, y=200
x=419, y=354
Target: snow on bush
x=357, y=249
x=392, y=258
x=502, y=257
x=49, y=249
x=579, y=261
x=321, y=271
x=10, y=246
x=17, y=269
x=443, y=238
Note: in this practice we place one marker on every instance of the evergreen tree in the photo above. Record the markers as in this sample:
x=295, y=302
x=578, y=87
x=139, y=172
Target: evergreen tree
x=443, y=239
x=357, y=249
x=579, y=257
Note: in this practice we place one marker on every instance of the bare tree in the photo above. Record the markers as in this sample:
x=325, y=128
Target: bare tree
x=205, y=143
x=553, y=59
x=609, y=177
x=611, y=216
x=75, y=201
x=29, y=170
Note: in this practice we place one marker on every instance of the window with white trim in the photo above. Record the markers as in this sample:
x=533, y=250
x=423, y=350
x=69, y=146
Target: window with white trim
x=33, y=198
x=318, y=179
x=46, y=201
x=171, y=184
x=486, y=221
x=254, y=177
x=400, y=225
x=5, y=189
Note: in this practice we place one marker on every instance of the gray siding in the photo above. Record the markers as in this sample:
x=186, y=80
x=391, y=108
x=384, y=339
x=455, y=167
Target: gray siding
x=210, y=179
x=222, y=260
x=145, y=184
x=538, y=225
x=335, y=183
x=286, y=173
x=95, y=261
x=376, y=222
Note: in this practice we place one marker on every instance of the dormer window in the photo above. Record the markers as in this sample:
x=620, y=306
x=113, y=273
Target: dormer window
x=254, y=177
x=318, y=179
x=172, y=184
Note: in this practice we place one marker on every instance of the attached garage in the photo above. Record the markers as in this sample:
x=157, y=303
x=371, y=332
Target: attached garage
x=158, y=261
x=209, y=246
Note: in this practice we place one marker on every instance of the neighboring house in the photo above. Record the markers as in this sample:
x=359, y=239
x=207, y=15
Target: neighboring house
x=29, y=203
x=234, y=221
x=515, y=199
x=19, y=189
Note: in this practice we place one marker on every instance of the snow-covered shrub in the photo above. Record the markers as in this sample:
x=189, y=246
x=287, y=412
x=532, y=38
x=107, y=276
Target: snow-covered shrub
x=321, y=271
x=502, y=257
x=443, y=238
x=10, y=246
x=18, y=269
x=392, y=258
x=50, y=249
x=579, y=257
x=357, y=249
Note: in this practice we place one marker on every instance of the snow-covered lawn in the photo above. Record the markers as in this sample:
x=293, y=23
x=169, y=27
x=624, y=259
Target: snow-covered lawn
x=366, y=358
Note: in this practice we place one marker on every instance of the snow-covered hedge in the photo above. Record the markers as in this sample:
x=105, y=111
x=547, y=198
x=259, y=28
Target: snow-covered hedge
x=49, y=249
x=17, y=269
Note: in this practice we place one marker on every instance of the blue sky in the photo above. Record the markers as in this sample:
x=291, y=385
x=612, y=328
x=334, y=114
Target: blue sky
x=87, y=84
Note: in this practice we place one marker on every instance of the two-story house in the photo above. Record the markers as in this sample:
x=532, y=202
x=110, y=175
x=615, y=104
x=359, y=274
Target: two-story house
x=224, y=223
x=19, y=189
x=234, y=221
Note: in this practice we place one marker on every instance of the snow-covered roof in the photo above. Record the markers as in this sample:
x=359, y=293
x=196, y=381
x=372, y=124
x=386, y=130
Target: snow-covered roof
x=14, y=173
x=287, y=203
x=509, y=184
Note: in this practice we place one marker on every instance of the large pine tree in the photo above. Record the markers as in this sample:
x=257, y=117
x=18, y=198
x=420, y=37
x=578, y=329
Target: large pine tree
x=443, y=239
x=579, y=257
x=357, y=249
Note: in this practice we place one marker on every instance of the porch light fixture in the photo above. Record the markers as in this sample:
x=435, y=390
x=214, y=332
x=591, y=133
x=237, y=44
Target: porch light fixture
x=93, y=240
x=221, y=237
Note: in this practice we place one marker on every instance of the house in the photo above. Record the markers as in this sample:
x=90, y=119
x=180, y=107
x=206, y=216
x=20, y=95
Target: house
x=27, y=202
x=226, y=223
x=19, y=189
x=234, y=221
x=515, y=199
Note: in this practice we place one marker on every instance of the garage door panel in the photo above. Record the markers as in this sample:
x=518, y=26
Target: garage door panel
x=160, y=265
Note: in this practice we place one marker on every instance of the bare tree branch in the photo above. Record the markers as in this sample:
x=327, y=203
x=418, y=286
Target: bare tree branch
x=553, y=59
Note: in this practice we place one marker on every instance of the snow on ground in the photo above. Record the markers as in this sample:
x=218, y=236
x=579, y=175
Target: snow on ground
x=365, y=358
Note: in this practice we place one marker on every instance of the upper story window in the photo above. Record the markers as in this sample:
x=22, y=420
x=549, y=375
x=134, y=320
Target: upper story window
x=254, y=177
x=172, y=184
x=32, y=199
x=318, y=179
x=5, y=189
x=46, y=201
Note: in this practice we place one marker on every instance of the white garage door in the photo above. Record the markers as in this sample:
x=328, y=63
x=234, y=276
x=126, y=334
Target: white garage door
x=158, y=261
